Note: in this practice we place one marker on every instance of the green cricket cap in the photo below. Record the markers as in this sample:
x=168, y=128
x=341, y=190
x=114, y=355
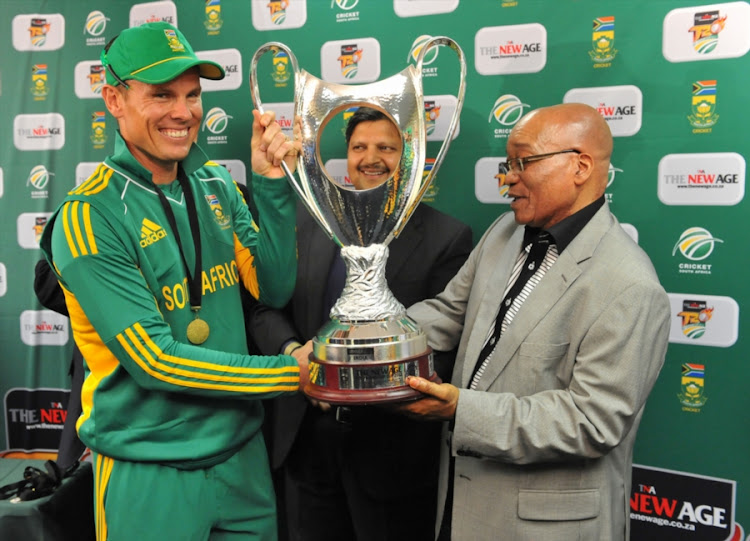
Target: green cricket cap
x=153, y=53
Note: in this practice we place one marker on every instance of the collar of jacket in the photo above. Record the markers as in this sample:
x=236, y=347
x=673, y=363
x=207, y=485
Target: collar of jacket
x=123, y=159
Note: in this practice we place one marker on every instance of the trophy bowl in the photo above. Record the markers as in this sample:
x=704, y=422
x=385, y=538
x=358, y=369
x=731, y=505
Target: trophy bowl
x=369, y=347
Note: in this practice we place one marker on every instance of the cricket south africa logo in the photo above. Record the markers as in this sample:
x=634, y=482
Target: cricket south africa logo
x=216, y=120
x=38, y=179
x=695, y=243
x=96, y=24
x=506, y=111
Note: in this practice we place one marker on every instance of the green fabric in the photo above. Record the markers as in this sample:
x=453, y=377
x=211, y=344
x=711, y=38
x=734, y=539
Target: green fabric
x=231, y=500
x=154, y=53
x=149, y=395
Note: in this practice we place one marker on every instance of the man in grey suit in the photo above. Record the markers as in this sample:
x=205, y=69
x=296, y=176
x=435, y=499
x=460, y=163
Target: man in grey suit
x=544, y=412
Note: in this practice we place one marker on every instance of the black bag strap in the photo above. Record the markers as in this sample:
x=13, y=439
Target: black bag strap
x=35, y=484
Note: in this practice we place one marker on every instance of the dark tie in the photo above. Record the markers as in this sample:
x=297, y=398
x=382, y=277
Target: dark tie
x=539, y=246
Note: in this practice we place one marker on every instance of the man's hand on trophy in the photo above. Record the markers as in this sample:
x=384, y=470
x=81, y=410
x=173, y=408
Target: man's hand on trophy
x=269, y=145
x=302, y=354
x=438, y=403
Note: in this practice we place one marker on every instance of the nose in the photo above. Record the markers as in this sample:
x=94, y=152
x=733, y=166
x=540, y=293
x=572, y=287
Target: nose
x=511, y=177
x=372, y=154
x=181, y=109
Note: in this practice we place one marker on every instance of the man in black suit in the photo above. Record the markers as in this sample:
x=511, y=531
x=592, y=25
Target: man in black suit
x=357, y=473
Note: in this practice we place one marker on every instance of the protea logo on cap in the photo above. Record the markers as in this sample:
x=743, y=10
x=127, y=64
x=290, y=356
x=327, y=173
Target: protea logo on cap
x=174, y=41
x=695, y=243
x=96, y=23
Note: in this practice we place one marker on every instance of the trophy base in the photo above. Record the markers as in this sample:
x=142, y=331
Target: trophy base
x=367, y=382
x=367, y=362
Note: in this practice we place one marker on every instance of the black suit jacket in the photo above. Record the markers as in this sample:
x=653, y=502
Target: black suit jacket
x=429, y=252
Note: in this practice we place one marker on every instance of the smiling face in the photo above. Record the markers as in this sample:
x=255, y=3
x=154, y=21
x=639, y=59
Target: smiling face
x=373, y=153
x=159, y=123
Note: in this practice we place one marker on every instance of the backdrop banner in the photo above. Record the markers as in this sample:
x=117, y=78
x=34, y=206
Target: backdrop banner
x=668, y=76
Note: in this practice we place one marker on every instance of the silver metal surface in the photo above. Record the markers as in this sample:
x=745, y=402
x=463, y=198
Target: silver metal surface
x=377, y=215
x=389, y=339
x=370, y=343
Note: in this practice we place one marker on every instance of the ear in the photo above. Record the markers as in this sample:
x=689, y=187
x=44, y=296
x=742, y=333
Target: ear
x=585, y=168
x=113, y=100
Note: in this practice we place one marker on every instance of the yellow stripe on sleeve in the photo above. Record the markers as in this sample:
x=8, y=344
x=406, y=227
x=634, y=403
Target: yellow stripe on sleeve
x=66, y=228
x=95, y=176
x=101, y=183
x=89, y=230
x=77, y=227
x=161, y=371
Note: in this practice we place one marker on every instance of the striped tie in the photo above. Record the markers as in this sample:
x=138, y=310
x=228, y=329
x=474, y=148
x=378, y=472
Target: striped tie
x=527, y=273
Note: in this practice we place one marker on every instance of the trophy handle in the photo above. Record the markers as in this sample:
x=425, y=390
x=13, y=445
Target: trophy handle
x=304, y=194
x=425, y=183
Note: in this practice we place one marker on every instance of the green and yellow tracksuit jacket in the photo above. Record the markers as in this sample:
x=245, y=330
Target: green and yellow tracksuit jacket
x=150, y=395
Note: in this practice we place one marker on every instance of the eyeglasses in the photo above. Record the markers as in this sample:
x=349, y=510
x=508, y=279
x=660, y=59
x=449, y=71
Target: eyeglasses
x=109, y=66
x=517, y=165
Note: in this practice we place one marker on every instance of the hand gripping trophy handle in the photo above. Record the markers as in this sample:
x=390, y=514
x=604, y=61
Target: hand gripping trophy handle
x=364, y=354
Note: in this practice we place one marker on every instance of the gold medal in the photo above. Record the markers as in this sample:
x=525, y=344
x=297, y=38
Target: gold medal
x=197, y=331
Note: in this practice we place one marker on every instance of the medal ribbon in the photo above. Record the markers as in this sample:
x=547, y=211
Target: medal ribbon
x=194, y=281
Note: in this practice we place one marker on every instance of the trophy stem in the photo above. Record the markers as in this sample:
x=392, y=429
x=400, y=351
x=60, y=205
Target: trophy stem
x=366, y=296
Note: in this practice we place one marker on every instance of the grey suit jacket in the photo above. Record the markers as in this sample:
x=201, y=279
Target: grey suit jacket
x=543, y=448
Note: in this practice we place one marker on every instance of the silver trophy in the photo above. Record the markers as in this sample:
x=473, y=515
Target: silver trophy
x=364, y=354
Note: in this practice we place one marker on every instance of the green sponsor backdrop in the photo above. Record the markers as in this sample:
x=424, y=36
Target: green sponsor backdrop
x=710, y=438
